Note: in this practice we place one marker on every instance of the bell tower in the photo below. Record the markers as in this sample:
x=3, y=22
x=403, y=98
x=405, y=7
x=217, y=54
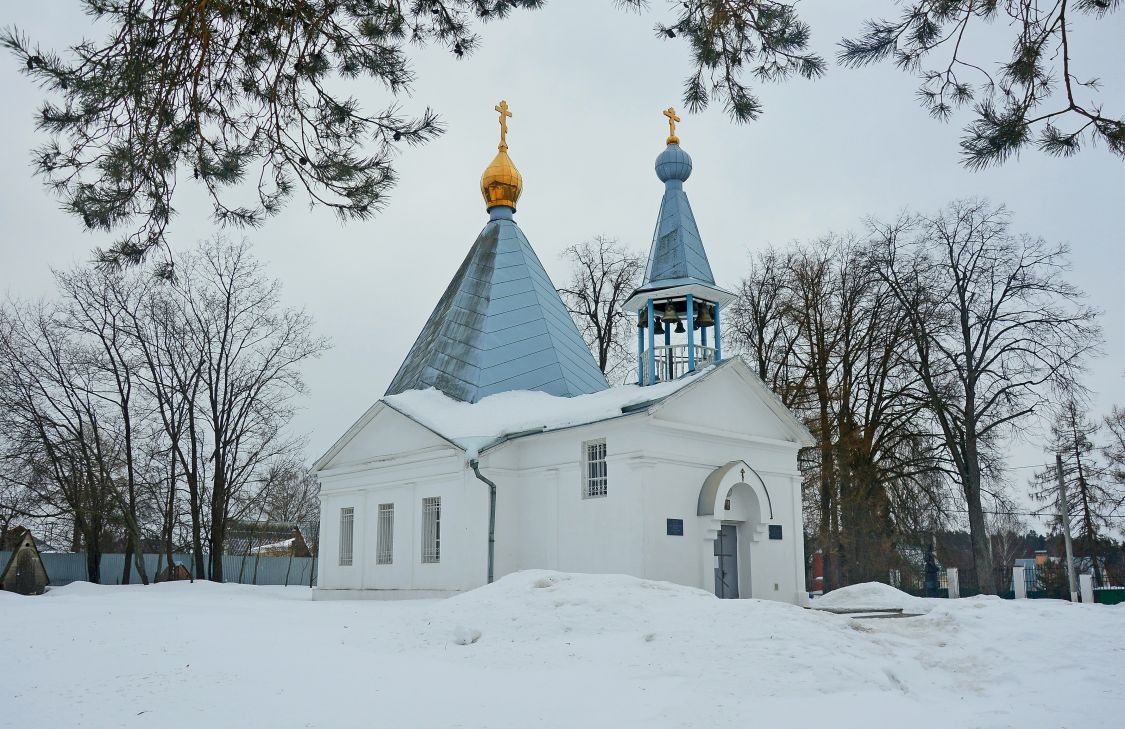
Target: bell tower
x=678, y=304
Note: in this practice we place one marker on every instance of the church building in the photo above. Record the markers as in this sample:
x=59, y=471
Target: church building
x=499, y=445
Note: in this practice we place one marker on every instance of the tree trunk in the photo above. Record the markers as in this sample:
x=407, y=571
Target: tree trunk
x=218, y=521
x=127, y=569
x=170, y=518
x=978, y=535
x=93, y=561
x=196, y=506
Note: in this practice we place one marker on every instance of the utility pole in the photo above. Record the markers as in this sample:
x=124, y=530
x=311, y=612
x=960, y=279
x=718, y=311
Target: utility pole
x=1064, y=509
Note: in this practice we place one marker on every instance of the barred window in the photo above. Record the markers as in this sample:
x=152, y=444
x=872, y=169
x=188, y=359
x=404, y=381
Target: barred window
x=431, y=529
x=595, y=481
x=347, y=534
x=385, y=541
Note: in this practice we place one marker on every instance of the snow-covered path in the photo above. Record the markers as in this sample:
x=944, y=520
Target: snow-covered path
x=553, y=650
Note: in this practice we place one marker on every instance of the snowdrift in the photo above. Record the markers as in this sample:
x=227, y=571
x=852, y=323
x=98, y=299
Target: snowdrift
x=549, y=649
x=874, y=596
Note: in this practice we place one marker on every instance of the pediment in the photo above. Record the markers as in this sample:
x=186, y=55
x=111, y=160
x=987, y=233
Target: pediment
x=732, y=399
x=382, y=433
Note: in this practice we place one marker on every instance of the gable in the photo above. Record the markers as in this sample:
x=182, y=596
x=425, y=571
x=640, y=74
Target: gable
x=728, y=400
x=381, y=433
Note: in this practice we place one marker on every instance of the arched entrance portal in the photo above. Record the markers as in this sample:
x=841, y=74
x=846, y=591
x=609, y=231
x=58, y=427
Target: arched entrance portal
x=734, y=510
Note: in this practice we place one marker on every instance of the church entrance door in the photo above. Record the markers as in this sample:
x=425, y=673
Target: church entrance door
x=726, y=562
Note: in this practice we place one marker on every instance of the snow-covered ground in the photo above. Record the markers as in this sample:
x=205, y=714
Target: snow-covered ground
x=543, y=649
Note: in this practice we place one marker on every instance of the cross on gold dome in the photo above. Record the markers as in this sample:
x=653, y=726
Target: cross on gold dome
x=505, y=115
x=670, y=112
x=501, y=182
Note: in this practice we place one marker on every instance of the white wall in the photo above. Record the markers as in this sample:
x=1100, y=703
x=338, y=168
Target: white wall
x=657, y=463
x=355, y=478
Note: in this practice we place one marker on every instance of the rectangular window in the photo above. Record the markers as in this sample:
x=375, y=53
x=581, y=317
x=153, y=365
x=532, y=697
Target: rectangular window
x=347, y=532
x=385, y=541
x=431, y=530
x=596, y=476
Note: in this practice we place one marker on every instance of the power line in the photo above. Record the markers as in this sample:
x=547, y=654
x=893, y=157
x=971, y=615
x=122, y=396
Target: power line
x=1030, y=513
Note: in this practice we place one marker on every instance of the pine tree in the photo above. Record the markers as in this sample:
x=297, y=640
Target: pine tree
x=1114, y=453
x=1034, y=98
x=223, y=92
x=1089, y=495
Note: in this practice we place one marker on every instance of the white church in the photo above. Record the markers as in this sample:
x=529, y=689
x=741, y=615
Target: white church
x=499, y=446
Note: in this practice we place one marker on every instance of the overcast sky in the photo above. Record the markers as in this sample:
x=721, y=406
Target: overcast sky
x=587, y=83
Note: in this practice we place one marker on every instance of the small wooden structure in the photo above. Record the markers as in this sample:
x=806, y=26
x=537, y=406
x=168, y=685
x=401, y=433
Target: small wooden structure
x=179, y=571
x=24, y=572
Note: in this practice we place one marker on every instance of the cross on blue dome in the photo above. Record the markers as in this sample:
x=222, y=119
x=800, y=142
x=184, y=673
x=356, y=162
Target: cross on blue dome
x=678, y=284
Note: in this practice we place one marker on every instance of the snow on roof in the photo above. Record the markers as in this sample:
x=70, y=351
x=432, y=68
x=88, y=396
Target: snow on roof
x=474, y=426
x=283, y=544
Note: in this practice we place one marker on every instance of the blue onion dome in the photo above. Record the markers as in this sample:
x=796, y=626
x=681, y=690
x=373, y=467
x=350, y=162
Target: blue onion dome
x=673, y=164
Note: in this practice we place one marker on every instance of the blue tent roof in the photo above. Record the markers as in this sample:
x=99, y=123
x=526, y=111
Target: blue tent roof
x=499, y=326
x=677, y=256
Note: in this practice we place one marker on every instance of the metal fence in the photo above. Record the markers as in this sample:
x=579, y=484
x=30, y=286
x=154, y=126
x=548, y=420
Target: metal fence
x=62, y=569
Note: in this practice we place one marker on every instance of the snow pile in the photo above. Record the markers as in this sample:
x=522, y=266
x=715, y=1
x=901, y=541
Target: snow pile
x=874, y=596
x=472, y=425
x=551, y=650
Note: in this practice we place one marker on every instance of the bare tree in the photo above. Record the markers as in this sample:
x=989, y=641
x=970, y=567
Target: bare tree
x=813, y=312
x=602, y=275
x=171, y=376
x=133, y=390
x=761, y=327
x=823, y=330
x=60, y=435
x=291, y=494
x=92, y=310
x=1007, y=529
x=251, y=349
x=993, y=325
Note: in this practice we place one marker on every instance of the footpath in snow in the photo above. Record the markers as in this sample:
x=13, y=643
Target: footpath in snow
x=544, y=649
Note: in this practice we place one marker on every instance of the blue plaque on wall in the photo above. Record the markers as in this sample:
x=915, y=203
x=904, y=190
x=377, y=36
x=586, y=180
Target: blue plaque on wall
x=775, y=531
x=675, y=527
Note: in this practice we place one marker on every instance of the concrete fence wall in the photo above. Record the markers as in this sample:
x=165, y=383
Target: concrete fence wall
x=63, y=569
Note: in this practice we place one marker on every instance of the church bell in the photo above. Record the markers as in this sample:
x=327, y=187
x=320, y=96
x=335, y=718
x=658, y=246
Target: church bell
x=704, y=319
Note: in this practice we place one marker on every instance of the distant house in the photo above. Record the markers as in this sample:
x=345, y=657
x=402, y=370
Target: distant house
x=266, y=539
x=24, y=573
x=293, y=546
x=1036, y=569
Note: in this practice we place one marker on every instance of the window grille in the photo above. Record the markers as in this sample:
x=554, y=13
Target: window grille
x=431, y=530
x=385, y=542
x=347, y=533
x=596, y=479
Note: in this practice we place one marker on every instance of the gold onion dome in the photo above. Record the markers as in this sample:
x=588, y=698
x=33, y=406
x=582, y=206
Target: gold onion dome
x=501, y=183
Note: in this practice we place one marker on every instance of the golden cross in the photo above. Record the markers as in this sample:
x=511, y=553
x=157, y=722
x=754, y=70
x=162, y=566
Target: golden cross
x=502, y=107
x=670, y=112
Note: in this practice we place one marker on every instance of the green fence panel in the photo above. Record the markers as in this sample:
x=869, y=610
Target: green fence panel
x=1110, y=596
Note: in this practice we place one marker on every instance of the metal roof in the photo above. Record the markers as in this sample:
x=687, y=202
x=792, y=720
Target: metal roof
x=677, y=255
x=499, y=326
